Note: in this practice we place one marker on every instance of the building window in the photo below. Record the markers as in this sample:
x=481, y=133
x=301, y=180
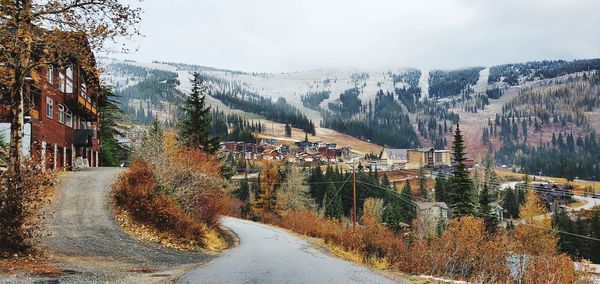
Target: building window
x=61, y=113
x=83, y=90
x=69, y=118
x=69, y=80
x=61, y=81
x=50, y=74
x=49, y=107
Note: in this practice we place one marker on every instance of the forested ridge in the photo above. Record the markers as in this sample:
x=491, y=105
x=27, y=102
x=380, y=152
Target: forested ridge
x=534, y=70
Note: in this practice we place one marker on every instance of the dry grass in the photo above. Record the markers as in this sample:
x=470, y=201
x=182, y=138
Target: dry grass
x=578, y=185
x=151, y=234
x=277, y=130
x=28, y=265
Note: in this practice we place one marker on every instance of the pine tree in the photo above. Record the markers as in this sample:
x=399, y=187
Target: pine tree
x=407, y=204
x=110, y=115
x=392, y=215
x=486, y=210
x=460, y=193
x=243, y=192
x=288, y=130
x=195, y=122
x=332, y=202
x=510, y=203
x=440, y=189
x=385, y=181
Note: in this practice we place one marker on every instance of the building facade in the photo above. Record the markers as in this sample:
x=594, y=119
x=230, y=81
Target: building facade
x=61, y=117
x=428, y=157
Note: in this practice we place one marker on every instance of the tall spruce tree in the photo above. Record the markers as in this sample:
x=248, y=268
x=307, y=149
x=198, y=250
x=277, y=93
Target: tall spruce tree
x=110, y=115
x=332, y=202
x=407, y=204
x=392, y=214
x=288, y=130
x=195, y=121
x=440, y=189
x=486, y=210
x=460, y=193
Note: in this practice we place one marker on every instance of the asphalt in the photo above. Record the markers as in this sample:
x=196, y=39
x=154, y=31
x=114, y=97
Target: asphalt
x=271, y=255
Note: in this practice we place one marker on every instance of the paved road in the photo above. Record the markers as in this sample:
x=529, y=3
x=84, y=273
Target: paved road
x=271, y=255
x=82, y=231
x=589, y=203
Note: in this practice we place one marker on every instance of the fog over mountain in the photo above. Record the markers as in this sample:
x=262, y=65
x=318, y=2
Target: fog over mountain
x=276, y=36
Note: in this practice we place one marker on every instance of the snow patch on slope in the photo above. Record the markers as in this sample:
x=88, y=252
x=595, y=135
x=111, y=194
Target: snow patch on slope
x=482, y=82
x=424, y=84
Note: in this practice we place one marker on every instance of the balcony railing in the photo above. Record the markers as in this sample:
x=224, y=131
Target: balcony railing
x=83, y=102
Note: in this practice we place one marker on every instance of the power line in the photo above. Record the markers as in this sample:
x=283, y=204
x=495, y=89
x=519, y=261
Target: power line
x=502, y=218
x=338, y=191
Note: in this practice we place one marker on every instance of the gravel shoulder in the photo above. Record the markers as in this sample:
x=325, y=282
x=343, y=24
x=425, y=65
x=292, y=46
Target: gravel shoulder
x=82, y=238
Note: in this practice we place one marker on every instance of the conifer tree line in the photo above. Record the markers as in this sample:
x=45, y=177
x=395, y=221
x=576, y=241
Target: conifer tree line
x=451, y=83
x=141, y=100
x=312, y=100
x=583, y=224
x=233, y=127
x=529, y=71
x=278, y=111
x=572, y=150
x=383, y=122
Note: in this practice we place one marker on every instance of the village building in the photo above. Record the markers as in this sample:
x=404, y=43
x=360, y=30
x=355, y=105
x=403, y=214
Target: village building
x=430, y=214
x=394, y=157
x=427, y=157
x=61, y=116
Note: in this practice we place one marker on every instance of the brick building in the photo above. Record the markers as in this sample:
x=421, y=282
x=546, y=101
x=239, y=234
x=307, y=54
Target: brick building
x=61, y=116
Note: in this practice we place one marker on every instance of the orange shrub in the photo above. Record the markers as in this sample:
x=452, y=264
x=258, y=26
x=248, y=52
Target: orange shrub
x=137, y=193
x=21, y=198
x=465, y=251
x=194, y=177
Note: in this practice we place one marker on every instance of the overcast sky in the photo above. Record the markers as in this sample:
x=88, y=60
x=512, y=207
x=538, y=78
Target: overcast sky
x=281, y=35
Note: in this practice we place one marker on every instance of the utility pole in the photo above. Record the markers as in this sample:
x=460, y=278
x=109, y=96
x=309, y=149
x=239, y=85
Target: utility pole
x=353, y=195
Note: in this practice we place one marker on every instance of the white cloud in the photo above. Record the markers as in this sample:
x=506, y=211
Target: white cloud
x=277, y=35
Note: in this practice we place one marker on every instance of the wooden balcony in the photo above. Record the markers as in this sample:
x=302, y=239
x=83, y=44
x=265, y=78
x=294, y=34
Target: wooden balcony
x=87, y=105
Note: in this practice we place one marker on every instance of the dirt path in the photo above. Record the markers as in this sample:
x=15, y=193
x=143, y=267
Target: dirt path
x=84, y=238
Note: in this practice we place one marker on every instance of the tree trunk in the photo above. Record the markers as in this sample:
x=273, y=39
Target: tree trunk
x=16, y=130
x=23, y=33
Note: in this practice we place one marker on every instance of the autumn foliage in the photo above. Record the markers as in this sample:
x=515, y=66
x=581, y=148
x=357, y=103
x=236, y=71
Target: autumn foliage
x=21, y=198
x=464, y=251
x=137, y=192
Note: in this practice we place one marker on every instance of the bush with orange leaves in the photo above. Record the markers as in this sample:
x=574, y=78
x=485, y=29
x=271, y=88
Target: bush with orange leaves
x=464, y=251
x=21, y=199
x=194, y=177
x=139, y=194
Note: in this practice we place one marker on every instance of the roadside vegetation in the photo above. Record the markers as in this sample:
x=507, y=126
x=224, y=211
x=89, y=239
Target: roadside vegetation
x=470, y=246
x=21, y=198
x=175, y=185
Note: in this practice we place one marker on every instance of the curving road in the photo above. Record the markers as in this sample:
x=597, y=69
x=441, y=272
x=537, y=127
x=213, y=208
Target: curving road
x=82, y=233
x=271, y=255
